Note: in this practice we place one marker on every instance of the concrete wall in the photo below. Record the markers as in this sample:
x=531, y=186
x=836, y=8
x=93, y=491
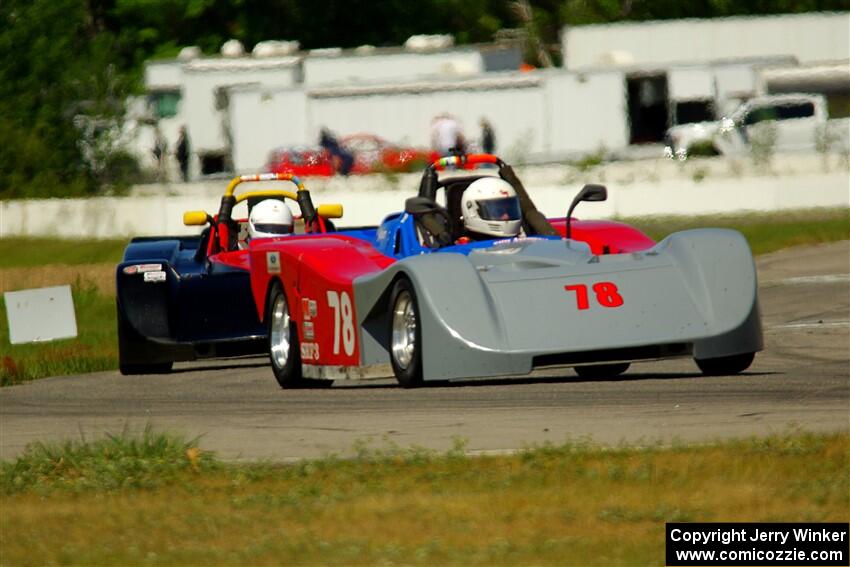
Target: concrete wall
x=643, y=188
x=811, y=38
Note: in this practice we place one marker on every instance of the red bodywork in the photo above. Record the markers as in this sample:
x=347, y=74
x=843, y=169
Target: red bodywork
x=605, y=237
x=309, y=268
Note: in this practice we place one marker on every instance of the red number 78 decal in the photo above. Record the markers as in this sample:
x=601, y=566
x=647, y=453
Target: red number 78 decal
x=607, y=294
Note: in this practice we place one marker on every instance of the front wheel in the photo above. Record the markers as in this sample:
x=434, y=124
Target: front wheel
x=601, y=370
x=405, y=335
x=726, y=365
x=284, y=352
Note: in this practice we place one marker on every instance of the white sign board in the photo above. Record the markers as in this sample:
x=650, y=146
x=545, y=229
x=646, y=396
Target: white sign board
x=43, y=314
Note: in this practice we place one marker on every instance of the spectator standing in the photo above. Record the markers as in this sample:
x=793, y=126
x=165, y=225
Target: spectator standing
x=447, y=135
x=183, y=152
x=160, y=152
x=342, y=159
x=488, y=138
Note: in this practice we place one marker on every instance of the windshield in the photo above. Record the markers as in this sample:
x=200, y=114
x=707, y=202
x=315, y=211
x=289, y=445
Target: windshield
x=499, y=209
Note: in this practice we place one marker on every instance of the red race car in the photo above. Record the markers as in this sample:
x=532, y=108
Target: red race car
x=371, y=154
x=303, y=162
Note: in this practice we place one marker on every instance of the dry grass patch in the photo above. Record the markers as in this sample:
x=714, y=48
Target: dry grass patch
x=573, y=504
x=101, y=276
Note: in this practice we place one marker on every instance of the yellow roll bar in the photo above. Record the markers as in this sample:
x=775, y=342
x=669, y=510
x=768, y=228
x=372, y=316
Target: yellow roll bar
x=267, y=193
x=231, y=187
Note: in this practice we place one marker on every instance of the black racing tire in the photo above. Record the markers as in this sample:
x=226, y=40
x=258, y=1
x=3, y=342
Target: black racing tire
x=136, y=369
x=405, y=333
x=284, y=349
x=726, y=365
x=602, y=370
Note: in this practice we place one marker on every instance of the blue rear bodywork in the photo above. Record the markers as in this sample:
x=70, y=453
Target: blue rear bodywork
x=201, y=308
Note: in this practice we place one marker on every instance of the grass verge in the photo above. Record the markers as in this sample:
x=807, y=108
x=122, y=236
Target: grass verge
x=766, y=232
x=30, y=252
x=89, y=266
x=160, y=500
x=94, y=349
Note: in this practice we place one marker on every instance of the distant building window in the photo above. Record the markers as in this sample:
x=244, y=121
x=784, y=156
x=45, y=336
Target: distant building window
x=694, y=111
x=797, y=110
x=213, y=162
x=780, y=112
x=165, y=104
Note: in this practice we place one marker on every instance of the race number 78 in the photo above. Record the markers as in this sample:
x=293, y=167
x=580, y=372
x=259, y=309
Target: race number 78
x=343, y=321
x=607, y=294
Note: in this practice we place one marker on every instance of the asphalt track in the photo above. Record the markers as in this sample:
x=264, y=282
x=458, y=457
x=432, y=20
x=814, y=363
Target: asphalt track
x=801, y=381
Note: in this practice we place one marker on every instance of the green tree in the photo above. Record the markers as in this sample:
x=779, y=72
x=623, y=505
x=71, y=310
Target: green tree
x=57, y=71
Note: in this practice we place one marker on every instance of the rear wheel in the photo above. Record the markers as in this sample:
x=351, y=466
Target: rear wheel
x=726, y=365
x=405, y=335
x=284, y=352
x=602, y=370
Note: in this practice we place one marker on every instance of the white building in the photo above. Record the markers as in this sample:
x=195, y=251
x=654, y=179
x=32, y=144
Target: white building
x=808, y=38
x=622, y=84
x=274, y=90
x=690, y=70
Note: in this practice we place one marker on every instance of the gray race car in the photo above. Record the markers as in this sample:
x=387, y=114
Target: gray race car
x=589, y=294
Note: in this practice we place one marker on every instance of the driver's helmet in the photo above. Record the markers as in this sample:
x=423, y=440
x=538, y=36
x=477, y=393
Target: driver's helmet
x=268, y=218
x=490, y=207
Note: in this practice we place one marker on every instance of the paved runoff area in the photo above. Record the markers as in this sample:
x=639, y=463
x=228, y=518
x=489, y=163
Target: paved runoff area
x=800, y=381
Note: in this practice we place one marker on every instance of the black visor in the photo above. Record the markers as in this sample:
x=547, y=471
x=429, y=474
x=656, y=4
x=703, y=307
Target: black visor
x=499, y=209
x=269, y=228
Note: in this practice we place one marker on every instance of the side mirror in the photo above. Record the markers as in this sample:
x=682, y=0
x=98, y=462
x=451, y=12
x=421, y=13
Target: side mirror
x=588, y=193
x=195, y=218
x=332, y=211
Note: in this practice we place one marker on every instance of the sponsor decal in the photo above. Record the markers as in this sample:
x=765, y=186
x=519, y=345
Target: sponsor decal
x=309, y=351
x=309, y=333
x=309, y=308
x=142, y=268
x=273, y=262
x=155, y=276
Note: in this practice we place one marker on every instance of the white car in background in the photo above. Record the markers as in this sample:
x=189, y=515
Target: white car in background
x=789, y=122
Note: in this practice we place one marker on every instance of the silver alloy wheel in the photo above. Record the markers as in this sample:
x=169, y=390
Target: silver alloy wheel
x=404, y=330
x=280, y=332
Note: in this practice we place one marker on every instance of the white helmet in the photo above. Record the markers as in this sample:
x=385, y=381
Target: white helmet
x=269, y=218
x=490, y=206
